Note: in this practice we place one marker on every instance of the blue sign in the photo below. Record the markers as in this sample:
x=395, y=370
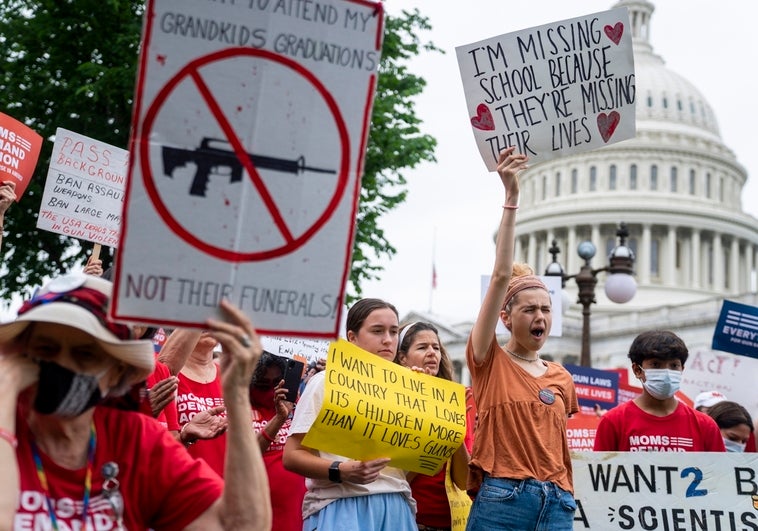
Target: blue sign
x=737, y=330
x=595, y=386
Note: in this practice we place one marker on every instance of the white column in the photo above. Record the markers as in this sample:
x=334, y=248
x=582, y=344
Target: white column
x=695, y=259
x=718, y=263
x=644, y=257
x=569, y=256
x=669, y=264
x=749, y=265
x=531, y=252
x=517, y=251
x=734, y=266
x=599, y=245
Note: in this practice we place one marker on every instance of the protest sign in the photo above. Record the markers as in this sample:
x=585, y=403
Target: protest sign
x=375, y=408
x=730, y=374
x=298, y=348
x=248, y=142
x=84, y=190
x=737, y=329
x=581, y=429
x=665, y=491
x=19, y=151
x=552, y=90
x=595, y=387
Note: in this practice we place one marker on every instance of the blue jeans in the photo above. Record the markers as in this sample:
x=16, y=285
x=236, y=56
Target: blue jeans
x=520, y=505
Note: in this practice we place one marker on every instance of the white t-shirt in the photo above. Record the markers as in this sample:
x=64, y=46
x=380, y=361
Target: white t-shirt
x=320, y=491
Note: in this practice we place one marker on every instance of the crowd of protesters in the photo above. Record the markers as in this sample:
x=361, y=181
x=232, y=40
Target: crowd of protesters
x=98, y=430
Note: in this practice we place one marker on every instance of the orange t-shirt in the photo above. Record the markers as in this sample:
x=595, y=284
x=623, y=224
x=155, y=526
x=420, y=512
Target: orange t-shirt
x=521, y=431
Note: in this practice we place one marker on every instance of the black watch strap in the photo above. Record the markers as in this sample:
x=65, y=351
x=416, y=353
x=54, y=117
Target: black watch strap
x=334, y=472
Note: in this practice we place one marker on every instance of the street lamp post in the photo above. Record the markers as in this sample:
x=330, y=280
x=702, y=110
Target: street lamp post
x=620, y=285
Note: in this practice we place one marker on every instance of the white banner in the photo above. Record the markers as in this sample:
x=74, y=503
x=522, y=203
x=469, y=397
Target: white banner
x=552, y=90
x=247, y=150
x=84, y=190
x=666, y=491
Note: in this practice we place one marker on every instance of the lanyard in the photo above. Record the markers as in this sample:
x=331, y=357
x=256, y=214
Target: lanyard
x=87, y=479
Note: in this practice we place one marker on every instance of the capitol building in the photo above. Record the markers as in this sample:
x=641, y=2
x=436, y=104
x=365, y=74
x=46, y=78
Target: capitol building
x=677, y=187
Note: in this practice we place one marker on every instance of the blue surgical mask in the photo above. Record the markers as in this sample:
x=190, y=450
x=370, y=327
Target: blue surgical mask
x=734, y=446
x=662, y=383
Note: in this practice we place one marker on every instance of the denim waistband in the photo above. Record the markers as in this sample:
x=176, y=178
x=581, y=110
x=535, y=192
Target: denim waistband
x=525, y=484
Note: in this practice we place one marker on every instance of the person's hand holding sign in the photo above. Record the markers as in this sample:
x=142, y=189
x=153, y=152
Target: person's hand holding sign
x=362, y=472
x=7, y=197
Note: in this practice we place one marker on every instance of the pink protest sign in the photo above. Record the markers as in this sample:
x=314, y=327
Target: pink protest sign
x=19, y=151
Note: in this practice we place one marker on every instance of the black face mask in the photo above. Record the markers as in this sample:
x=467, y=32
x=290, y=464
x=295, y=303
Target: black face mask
x=65, y=393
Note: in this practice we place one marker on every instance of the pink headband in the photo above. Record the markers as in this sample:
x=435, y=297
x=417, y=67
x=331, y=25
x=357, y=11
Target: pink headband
x=521, y=283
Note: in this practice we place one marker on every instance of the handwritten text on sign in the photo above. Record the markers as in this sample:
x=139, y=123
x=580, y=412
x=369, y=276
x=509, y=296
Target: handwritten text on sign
x=84, y=191
x=552, y=90
x=375, y=408
x=248, y=142
x=674, y=491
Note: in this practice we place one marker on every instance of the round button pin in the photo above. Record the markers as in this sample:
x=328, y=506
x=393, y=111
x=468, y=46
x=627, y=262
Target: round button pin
x=547, y=396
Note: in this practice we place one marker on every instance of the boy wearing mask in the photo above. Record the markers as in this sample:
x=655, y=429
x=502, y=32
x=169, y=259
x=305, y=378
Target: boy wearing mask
x=656, y=421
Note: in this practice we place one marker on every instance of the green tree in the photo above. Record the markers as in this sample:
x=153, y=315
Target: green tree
x=72, y=64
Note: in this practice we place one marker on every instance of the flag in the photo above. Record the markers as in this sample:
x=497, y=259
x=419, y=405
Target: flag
x=434, y=276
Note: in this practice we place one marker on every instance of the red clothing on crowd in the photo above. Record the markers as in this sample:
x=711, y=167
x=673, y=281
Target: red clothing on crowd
x=432, y=506
x=627, y=428
x=161, y=485
x=287, y=488
x=168, y=417
x=751, y=445
x=193, y=397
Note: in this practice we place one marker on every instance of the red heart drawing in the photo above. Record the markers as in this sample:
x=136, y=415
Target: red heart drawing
x=614, y=32
x=607, y=123
x=483, y=119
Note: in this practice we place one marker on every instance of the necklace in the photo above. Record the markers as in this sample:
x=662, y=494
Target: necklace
x=87, y=479
x=530, y=360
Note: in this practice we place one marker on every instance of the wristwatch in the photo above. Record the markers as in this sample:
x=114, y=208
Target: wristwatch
x=334, y=472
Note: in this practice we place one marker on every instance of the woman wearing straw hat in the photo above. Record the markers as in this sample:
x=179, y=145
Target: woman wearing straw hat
x=69, y=464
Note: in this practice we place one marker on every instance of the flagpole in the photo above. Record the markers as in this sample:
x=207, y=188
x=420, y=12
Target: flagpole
x=434, y=269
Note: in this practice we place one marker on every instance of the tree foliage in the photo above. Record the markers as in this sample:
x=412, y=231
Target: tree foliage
x=72, y=64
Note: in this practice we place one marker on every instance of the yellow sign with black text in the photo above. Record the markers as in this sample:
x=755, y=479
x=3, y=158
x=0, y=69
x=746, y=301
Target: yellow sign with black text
x=374, y=408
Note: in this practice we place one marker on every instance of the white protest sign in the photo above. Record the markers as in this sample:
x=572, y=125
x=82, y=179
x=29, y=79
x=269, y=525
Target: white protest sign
x=552, y=90
x=84, y=190
x=730, y=374
x=249, y=139
x=299, y=348
x=665, y=491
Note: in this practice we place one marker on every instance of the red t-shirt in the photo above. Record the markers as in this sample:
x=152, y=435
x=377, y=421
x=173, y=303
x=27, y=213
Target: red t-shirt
x=167, y=417
x=193, y=397
x=287, y=488
x=432, y=507
x=161, y=485
x=751, y=445
x=627, y=428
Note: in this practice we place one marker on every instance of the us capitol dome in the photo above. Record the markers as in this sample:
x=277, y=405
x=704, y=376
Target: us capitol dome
x=676, y=186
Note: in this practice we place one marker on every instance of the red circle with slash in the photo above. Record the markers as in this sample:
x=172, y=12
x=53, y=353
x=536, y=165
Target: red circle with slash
x=191, y=70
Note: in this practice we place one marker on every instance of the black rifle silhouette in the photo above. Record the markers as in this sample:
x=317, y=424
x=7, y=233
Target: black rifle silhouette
x=206, y=158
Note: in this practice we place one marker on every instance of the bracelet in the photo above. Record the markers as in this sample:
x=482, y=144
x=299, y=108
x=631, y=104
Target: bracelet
x=266, y=436
x=511, y=207
x=8, y=436
x=181, y=440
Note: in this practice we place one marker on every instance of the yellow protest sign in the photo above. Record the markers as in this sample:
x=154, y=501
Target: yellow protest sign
x=375, y=408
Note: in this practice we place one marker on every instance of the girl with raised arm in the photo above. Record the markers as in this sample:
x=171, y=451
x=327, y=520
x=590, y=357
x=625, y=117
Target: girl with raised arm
x=520, y=464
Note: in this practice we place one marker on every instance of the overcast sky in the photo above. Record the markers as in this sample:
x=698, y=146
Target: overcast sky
x=711, y=44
